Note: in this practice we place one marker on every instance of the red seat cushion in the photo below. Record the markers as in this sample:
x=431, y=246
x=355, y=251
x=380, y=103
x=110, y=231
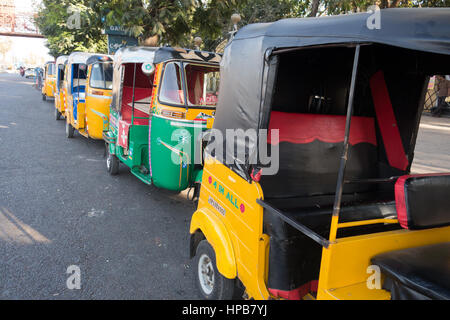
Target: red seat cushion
x=127, y=98
x=302, y=128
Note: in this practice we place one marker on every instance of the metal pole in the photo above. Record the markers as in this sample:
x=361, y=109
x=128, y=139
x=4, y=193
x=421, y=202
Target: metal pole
x=132, y=101
x=340, y=180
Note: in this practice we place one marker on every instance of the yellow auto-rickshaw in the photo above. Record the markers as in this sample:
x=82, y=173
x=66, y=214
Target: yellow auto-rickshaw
x=333, y=211
x=48, y=86
x=60, y=95
x=89, y=85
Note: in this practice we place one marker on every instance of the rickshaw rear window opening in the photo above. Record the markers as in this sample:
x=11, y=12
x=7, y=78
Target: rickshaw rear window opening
x=79, y=76
x=136, y=94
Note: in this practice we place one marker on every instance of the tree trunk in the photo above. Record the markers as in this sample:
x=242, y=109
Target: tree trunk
x=314, y=8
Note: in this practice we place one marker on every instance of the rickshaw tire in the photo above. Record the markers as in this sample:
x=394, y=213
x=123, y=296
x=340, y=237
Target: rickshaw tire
x=57, y=114
x=113, y=168
x=69, y=130
x=44, y=97
x=223, y=288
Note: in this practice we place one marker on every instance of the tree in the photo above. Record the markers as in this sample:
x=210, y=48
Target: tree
x=177, y=22
x=71, y=25
x=5, y=46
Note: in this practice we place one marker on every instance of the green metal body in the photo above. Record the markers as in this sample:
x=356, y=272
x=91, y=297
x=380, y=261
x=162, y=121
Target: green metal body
x=172, y=151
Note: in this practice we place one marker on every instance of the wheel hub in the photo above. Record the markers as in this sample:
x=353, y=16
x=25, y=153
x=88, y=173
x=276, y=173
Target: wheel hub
x=206, y=274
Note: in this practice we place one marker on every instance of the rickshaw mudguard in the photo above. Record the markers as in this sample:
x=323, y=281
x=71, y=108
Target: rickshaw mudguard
x=198, y=174
x=217, y=235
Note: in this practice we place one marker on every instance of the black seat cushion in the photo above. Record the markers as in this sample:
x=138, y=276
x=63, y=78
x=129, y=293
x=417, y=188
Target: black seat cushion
x=417, y=273
x=423, y=200
x=310, y=146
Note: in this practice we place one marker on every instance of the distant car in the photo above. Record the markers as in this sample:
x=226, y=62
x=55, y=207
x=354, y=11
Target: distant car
x=30, y=73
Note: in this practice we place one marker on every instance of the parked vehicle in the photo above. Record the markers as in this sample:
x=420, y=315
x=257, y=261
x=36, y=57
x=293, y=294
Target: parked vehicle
x=49, y=78
x=163, y=98
x=29, y=73
x=89, y=84
x=342, y=217
x=89, y=88
x=60, y=87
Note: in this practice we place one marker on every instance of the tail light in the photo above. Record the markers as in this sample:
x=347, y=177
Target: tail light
x=173, y=114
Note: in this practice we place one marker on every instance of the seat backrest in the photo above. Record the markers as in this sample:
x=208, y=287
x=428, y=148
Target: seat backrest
x=127, y=101
x=310, y=148
x=423, y=200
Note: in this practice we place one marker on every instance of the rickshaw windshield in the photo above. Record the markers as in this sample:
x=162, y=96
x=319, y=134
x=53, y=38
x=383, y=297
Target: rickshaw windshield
x=202, y=83
x=51, y=69
x=101, y=76
x=171, y=86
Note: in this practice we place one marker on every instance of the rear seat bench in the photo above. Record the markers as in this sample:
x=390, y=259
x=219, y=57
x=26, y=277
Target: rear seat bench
x=422, y=202
x=417, y=273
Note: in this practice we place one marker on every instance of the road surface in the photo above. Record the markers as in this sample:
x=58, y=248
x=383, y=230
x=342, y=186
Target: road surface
x=60, y=208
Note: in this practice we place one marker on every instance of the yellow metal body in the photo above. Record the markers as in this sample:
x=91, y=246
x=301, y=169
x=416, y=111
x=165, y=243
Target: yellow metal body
x=60, y=98
x=49, y=83
x=93, y=113
x=96, y=109
x=232, y=222
x=343, y=271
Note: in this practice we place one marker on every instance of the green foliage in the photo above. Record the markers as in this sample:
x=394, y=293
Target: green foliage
x=177, y=22
x=63, y=37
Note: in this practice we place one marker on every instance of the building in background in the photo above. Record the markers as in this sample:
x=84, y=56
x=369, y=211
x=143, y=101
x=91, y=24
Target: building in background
x=20, y=41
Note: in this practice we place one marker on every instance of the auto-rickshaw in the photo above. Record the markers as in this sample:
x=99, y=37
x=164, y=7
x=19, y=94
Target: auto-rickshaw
x=48, y=86
x=332, y=211
x=60, y=96
x=163, y=99
x=89, y=94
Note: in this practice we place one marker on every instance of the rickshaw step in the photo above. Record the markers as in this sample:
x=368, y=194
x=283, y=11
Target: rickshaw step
x=146, y=178
x=83, y=133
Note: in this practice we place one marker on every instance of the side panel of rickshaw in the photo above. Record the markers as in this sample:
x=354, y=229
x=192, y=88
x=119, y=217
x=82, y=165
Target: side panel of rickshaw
x=344, y=272
x=76, y=103
x=48, y=88
x=98, y=101
x=226, y=197
x=173, y=151
x=60, y=88
x=62, y=105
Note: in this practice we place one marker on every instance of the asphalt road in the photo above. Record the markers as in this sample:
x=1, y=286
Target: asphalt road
x=59, y=207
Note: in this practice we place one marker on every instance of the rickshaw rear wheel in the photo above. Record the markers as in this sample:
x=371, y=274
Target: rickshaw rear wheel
x=69, y=130
x=57, y=114
x=112, y=162
x=44, y=97
x=212, y=284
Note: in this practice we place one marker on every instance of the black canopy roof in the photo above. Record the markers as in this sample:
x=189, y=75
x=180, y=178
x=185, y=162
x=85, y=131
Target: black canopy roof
x=245, y=67
x=99, y=58
x=161, y=54
x=418, y=29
